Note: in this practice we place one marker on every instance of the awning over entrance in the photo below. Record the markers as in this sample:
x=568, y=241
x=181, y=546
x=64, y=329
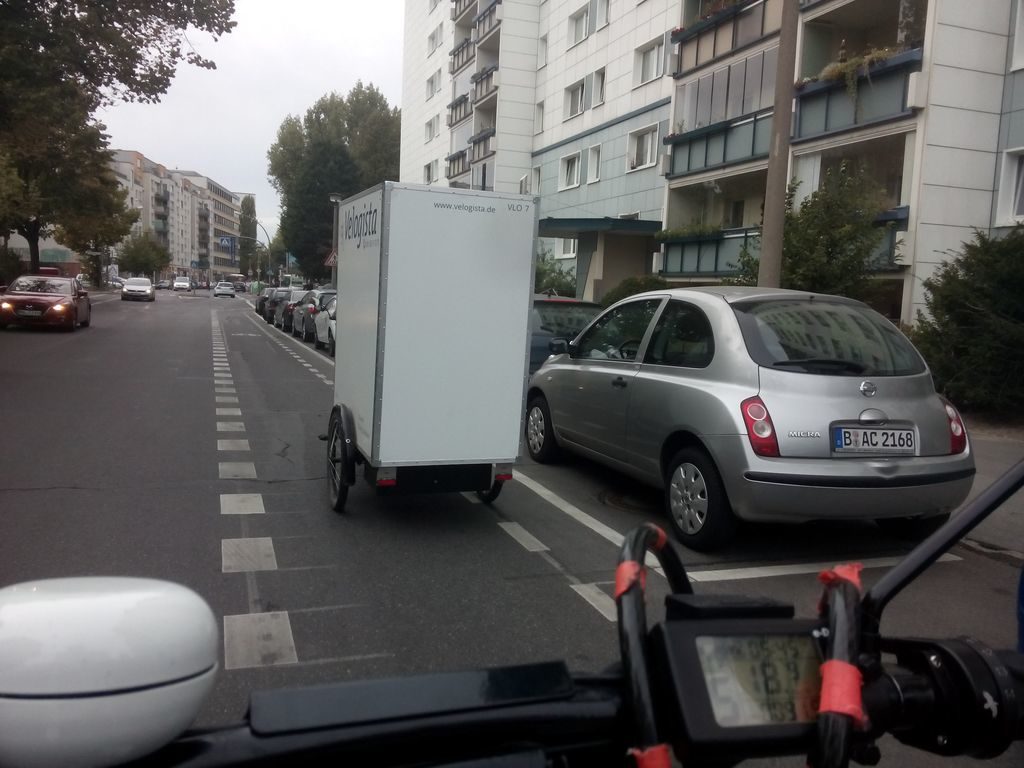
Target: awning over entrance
x=570, y=228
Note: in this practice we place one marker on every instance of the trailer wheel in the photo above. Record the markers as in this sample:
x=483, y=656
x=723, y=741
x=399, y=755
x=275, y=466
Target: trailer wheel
x=491, y=493
x=337, y=488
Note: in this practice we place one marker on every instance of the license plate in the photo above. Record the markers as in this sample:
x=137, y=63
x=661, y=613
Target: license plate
x=30, y=312
x=873, y=440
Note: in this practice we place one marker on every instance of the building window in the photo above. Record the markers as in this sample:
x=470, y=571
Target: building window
x=524, y=184
x=535, y=180
x=432, y=128
x=601, y=13
x=1011, y=189
x=570, y=245
x=569, y=176
x=433, y=4
x=1018, y=37
x=598, y=94
x=643, y=148
x=434, y=84
x=542, y=51
x=594, y=164
x=574, y=99
x=578, y=24
x=650, y=61
x=435, y=39
x=538, y=117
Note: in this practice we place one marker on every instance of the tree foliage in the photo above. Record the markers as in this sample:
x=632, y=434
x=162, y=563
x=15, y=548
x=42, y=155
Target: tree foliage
x=140, y=255
x=549, y=275
x=828, y=242
x=633, y=285
x=100, y=222
x=247, y=229
x=111, y=51
x=973, y=332
x=341, y=146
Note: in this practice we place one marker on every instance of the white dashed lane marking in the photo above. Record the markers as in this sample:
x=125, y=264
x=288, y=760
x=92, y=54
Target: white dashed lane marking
x=258, y=640
x=232, y=445
x=236, y=470
x=225, y=399
x=240, y=555
x=230, y=426
x=229, y=411
x=242, y=504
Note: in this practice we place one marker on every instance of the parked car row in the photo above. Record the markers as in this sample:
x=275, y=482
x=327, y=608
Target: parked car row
x=308, y=314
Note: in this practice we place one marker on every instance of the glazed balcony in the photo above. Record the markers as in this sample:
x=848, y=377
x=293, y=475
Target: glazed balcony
x=707, y=254
x=719, y=31
x=722, y=144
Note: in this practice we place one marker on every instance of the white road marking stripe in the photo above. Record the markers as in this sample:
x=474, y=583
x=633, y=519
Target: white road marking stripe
x=239, y=555
x=232, y=445
x=795, y=569
x=597, y=598
x=344, y=659
x=231, y=426
x=581, y=517
x=471, y=497
x=242, y=504
x=229, y=412
x=226, y=389
x=319, y=608
x=529, y=542
x=236, y=470
x=222, y=374
x=221, y=366
x=258, y=640
x=225, y=399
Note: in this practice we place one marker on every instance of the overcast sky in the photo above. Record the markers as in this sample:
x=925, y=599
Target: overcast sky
x=282, y=57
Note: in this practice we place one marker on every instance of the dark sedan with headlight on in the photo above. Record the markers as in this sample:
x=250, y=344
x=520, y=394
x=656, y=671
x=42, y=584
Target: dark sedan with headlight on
x=46, y=300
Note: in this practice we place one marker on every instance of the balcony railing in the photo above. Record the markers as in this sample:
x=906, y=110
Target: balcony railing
x=160, y=225
x=461, y=55
x=459, y=7
x=881, y=94
x=485, y=82
x=734, y=141
x=723, y=31
x=161, y=197
x=459, y=110
x=458, y=164
x=482, y=144
x=487, y=21
x=712, y=254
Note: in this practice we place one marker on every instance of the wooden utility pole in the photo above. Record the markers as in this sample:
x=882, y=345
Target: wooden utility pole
x=769, y=271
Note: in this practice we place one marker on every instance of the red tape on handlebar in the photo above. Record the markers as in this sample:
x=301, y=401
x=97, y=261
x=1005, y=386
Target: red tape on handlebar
x=627, y=574
x=841, y=690
x=847, y=572
x=657, y=756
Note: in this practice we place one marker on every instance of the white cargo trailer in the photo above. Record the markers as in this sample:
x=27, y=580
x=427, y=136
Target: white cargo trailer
x=435, y=287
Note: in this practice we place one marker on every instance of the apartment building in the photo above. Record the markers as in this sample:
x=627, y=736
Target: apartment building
x=933, y=118
x=563, y=99
x=189, y=214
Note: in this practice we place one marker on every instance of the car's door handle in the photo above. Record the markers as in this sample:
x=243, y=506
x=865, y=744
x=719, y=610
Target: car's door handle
x=618, y=381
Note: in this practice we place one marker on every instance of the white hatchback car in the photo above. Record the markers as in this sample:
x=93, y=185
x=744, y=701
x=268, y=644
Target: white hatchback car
x=181, y=284
x=224, y=289
x=326, y=328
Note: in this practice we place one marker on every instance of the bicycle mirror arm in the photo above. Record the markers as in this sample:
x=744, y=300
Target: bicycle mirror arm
x=930, y=550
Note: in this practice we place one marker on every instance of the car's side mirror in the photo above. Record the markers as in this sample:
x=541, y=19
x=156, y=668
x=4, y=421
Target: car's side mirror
x=558, y=346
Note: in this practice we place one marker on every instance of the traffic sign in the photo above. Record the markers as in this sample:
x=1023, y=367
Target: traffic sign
x=331, y=260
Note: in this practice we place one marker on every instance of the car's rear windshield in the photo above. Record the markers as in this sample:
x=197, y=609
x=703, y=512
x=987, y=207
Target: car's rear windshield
x=61, y=286
x=823, y=336
x=138, y=281
x=562, y=319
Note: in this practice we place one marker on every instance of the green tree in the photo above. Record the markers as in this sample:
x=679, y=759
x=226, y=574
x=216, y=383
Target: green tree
x=340, y=146
x=828, y=242
x=247, y=229
x=139, y=255
x=973, y=332
x=549, y=275
x=101, y=221
x=634, y=285
x=127, y=50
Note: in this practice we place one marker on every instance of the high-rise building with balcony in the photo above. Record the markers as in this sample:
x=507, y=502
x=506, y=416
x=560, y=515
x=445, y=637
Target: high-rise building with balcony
x=565, y=100
x=915, y=92
x=187, y=213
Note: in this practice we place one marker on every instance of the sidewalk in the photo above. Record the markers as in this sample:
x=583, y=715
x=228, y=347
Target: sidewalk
x=997, y=447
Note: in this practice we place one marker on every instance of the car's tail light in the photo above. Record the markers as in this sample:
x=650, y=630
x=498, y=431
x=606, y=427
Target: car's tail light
x=957, y=430
x=290, y=307
x=760, y=429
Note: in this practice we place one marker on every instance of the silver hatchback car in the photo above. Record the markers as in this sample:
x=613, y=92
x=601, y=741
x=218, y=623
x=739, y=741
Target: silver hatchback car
x=756, y=404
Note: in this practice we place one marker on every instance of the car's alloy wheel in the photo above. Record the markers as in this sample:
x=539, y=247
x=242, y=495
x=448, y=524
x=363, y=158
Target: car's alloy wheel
x=696, y=502
x=540, y=438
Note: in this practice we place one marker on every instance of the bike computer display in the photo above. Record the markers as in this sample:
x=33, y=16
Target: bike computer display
x=760, y=679
x=749, y=684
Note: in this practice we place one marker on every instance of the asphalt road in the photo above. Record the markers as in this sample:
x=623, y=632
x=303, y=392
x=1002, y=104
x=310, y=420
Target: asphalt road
x=179, y=440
